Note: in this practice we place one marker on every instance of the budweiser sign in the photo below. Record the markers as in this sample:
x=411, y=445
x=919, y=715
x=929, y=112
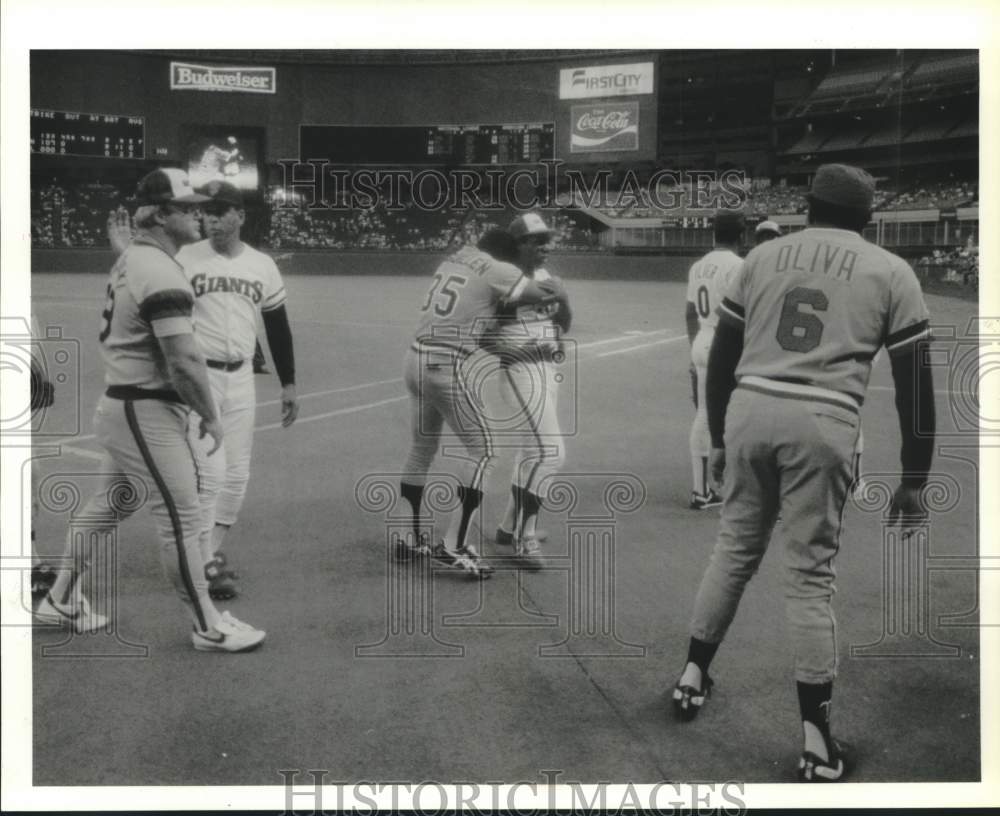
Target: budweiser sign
x=604, y=128
x=187, y=77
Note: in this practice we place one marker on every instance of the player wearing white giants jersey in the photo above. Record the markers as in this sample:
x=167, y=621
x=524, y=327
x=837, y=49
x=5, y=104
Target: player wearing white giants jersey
x=708, y=279
x=787, y=374
x=234, y=285
x=155, y=376
x=529, y=341
x=444, y=370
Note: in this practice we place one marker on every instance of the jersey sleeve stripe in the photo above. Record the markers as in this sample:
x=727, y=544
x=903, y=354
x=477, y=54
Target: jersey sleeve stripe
x=166, y=303
x=168, y=326
x=274, y=301
x=517, y=289
x=733, y=310
x=908, y=335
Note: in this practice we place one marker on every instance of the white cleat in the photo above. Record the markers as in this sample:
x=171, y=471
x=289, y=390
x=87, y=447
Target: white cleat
x=229, y=635
x=80, y=616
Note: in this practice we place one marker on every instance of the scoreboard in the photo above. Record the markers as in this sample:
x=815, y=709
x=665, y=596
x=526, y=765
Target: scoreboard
x=512, y=143
x=60, y=133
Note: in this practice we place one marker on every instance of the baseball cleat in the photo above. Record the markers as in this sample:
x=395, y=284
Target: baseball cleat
x=505, y=539
x=221, y=581
x=858, y=491
x=230, y=634
x=403, y=551
x=704, y=502
x=528, y=554
x=80, y=616
x=838, y=766
x=43, y=576
x=465, y=560
x=688, y=700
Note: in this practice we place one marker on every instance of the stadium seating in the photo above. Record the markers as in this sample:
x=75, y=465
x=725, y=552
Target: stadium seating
x=959, y=266
x=936, y=196
x=74, y=215
x=945, y=69
x=851, y=82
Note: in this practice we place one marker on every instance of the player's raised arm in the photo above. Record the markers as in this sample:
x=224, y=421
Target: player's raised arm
x=120, y=230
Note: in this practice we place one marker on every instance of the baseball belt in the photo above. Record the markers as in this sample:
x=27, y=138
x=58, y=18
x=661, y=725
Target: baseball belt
x=133, y=392
x=224, y=366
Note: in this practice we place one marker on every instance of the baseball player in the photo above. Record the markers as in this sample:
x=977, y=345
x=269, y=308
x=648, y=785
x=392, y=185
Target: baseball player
x=797, y=332
x=529, y=343
x=707, y=281
x=233, y=284
x=766, y=231
x=444, y=369
x=156, y=376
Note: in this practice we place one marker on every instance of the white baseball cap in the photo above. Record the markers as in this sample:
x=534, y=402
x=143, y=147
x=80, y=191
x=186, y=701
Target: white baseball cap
x=528, y=224
x=767, y=226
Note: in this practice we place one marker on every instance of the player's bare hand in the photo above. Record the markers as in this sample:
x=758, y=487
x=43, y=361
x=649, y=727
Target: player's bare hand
x=119, y=230
x=213, y=428
x=717, y=467
x=289, y=406
x=906, y=508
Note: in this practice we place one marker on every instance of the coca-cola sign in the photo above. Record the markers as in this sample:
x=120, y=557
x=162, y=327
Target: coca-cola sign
x=604, y=128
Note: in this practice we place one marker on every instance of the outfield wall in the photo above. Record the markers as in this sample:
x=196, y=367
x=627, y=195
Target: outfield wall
x=579, y=265
x=570, y=265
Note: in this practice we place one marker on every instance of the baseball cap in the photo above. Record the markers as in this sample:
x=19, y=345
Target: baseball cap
x=767, y=226
x=528, y=224
x=224, y=192
x=733, y=218
x=167, y=184
x=499, y=245
x=844, y=186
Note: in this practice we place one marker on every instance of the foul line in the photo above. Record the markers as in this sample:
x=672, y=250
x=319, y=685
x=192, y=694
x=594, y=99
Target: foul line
x=339, y=412
x=337, y=390
x=643, y=346
x=73, y=449
x=624, y=337
x=276, y=401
